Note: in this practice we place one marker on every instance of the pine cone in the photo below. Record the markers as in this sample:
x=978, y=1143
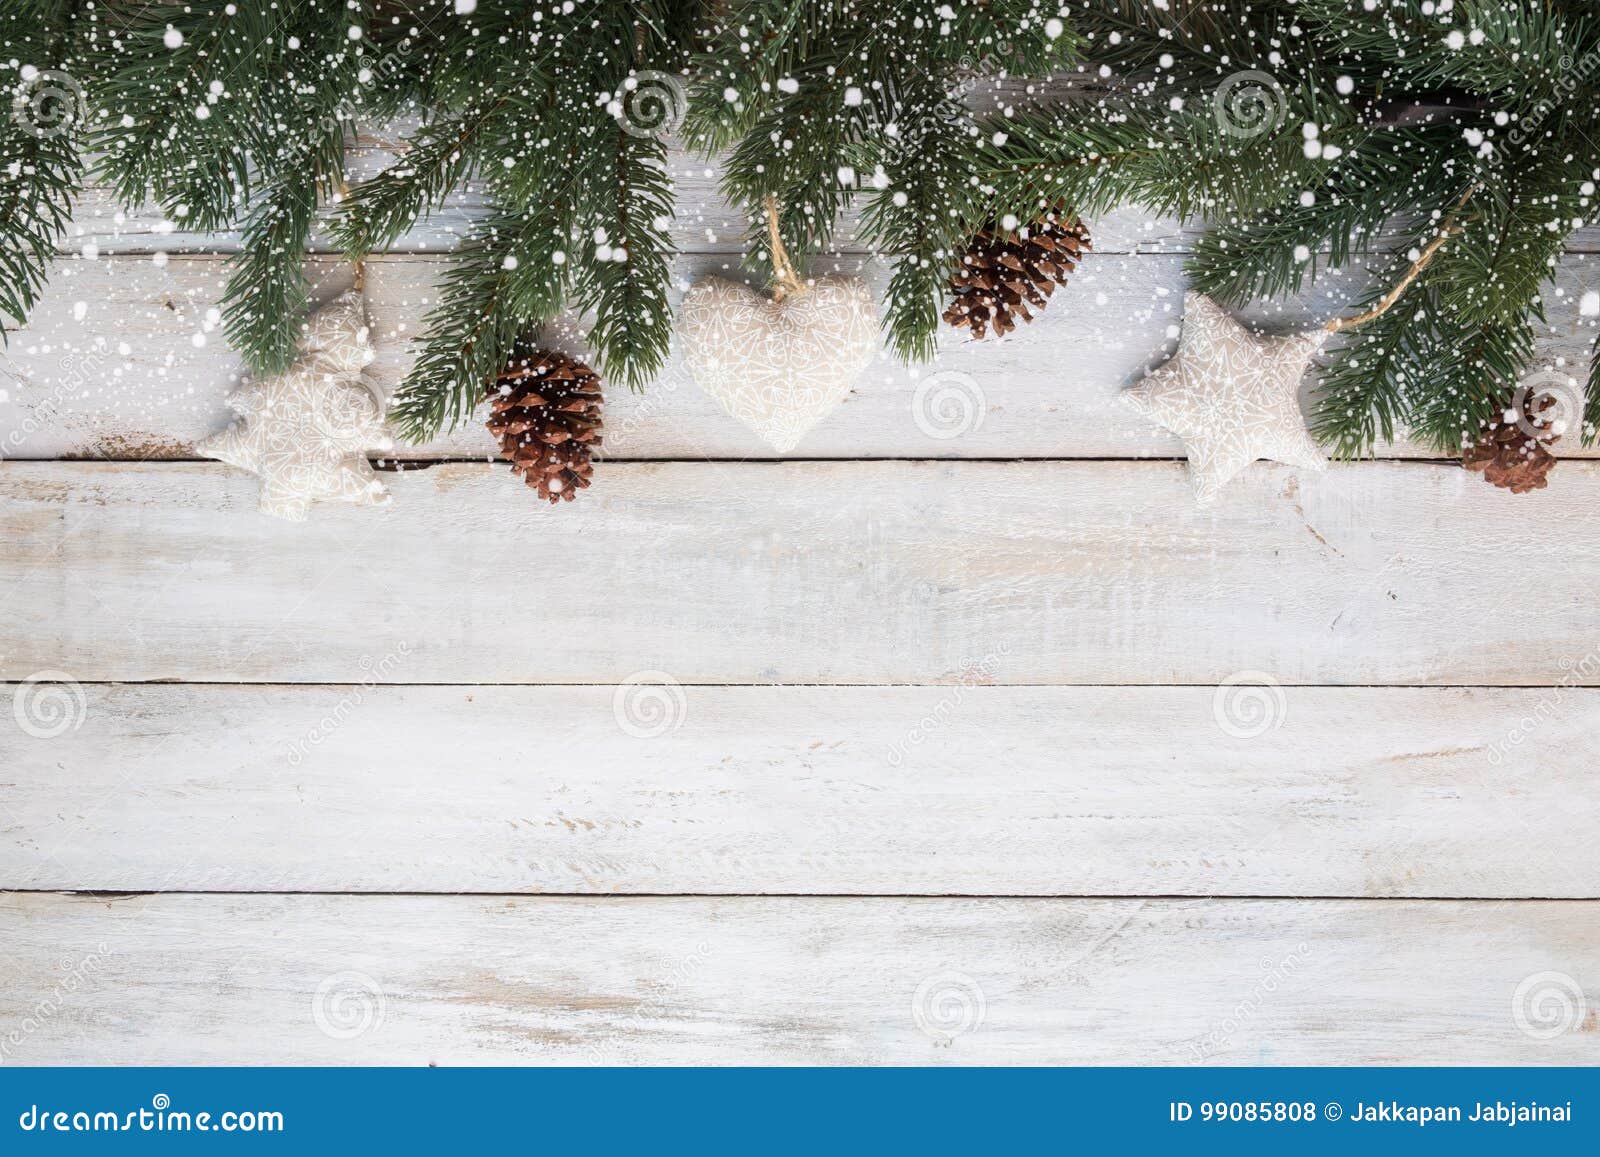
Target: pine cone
x=1001, y=275
x=1512, y=450
x=545, y=410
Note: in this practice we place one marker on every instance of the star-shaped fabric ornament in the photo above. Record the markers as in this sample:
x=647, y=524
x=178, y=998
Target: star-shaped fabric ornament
x=1233, y=397
x=308, y=430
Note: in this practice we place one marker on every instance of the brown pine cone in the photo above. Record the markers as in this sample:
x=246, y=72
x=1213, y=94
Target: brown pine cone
x=1002, y=274
x=545, y=410
x=1512, y=451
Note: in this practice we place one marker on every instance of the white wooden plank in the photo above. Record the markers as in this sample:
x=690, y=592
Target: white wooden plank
x=867, y=572
x=109, y=367
x=464, y=980
x=807, y=790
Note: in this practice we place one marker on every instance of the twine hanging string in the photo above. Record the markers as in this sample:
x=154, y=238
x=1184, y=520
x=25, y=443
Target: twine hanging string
x=1386, y=302
x=785, y=279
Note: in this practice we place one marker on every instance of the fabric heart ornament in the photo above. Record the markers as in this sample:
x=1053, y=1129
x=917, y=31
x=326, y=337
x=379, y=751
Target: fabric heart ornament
x=782, y=364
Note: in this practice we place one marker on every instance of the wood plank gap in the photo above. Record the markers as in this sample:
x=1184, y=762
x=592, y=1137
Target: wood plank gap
x=887, y=897
x=334, y=684
x=392, y=464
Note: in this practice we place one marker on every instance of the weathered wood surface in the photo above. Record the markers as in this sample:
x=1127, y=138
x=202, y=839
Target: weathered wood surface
x=876, y=680
x=806, y=790
x=863, y=572
x=109, y=367
x=462, y=979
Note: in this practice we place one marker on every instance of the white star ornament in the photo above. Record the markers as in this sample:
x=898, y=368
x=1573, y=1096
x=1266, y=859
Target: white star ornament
x=1233, y=397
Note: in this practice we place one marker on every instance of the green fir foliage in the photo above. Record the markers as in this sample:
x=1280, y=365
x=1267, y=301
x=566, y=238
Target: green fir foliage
x=1308, y=138
x=1326, y=136
x=41, y=161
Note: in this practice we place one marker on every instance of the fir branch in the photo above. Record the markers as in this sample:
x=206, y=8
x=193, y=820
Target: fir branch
x=1591, y=399
x=1421, y=102
x=1363, y=393
x=1442, y=236
x=488, y=298
x=1340, y=217
x=1182, y=161
x=184, y=89
x=265, y=300
x=623, y=275
x=1190, y=43
x=595, y=238
x=1471, y=375
x=378, y=212
x=1513, y=52
x=923, y=218
x=39, y=146
x=817, y=98
x=1522, y=227
x=226, y=111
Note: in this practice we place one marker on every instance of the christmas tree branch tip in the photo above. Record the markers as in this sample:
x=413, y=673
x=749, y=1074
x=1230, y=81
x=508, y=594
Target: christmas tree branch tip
x=1387, y=302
